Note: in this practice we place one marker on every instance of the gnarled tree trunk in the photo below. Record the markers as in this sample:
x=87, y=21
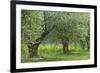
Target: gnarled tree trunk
x=33, y=48
x=82, y=44
x=88, y=42
x=65, y=46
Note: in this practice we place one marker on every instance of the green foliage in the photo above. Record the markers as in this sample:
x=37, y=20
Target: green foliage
x=57, y=49
x=24, y=51
x=50, y=49
x=53, y=52
x=31, y=25
x=70, y=26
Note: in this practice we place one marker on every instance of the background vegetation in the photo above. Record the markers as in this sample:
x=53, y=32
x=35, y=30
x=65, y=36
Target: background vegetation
x=54, y=36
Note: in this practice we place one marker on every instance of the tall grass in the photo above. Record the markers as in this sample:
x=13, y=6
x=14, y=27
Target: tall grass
x=56, y=49
x=50, y=49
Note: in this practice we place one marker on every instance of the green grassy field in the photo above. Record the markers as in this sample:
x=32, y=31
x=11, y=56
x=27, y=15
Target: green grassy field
x=54, y=53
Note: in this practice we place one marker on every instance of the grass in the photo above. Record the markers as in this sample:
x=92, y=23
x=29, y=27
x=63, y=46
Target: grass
x=54, y=53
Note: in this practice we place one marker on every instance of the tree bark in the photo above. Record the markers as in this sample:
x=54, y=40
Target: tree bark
x=82, y=44
x=88, y=38
x=88, y=43
x=65, y=46
x=33, y=47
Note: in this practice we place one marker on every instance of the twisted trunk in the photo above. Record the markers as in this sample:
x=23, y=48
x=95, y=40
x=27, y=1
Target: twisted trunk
x=82, y=44
x=88, y=43
x=33, y=48
x=65, y=46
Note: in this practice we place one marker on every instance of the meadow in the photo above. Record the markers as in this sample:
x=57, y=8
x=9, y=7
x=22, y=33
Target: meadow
x=54, y=52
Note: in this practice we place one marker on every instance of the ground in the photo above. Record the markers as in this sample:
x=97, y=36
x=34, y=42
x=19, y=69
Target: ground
x=59, y=57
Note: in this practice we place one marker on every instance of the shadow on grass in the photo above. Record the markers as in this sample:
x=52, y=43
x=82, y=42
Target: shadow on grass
x=58, y=57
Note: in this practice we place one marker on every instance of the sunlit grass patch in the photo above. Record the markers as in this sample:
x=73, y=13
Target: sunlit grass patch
x=54, y=52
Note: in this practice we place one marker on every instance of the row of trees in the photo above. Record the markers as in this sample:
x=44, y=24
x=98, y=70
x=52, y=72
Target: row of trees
x=67, y=27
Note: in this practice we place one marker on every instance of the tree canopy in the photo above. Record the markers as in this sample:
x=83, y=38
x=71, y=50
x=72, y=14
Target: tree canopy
x=64, y=27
